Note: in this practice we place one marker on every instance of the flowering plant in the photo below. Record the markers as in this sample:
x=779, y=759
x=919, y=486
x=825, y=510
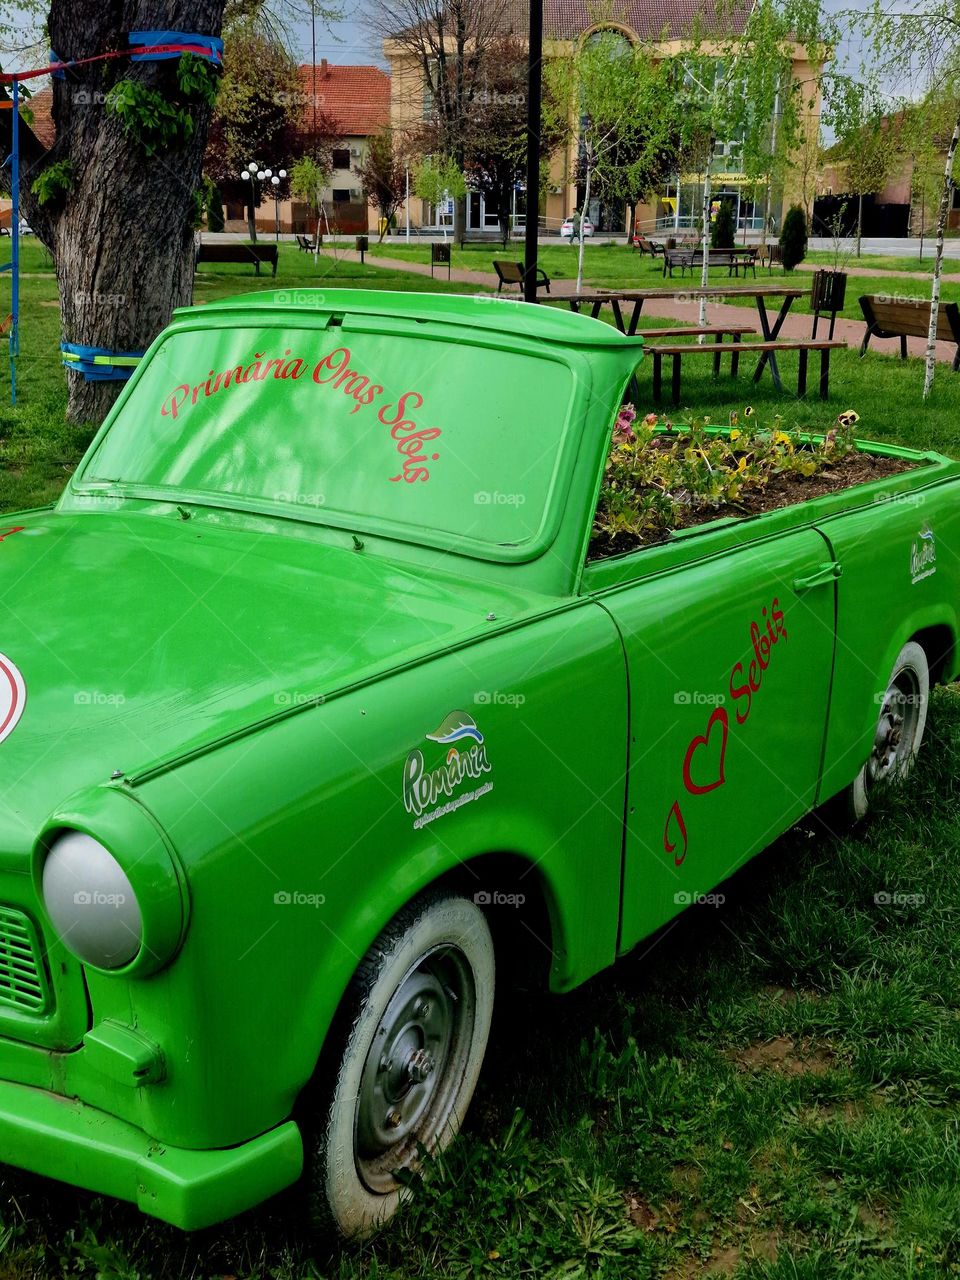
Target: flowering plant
x=662, y=475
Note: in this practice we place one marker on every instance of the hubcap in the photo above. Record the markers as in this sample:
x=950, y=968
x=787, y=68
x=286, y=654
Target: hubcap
x=414, y=1066
x=896, y=735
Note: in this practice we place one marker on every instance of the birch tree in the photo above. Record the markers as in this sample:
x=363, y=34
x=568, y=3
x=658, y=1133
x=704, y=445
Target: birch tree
x=918, y=50
x=736, y=91
x=613, y=93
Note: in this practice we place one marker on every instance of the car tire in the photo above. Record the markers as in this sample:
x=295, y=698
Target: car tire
x=900, y=727
x=411, y=1038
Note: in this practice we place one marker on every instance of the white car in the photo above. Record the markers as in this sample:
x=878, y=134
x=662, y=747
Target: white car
x=566, y=227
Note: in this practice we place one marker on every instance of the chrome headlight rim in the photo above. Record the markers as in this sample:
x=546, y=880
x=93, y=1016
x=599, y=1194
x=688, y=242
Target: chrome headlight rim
x=115, y=819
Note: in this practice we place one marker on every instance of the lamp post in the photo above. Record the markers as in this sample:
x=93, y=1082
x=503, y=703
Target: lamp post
x=252, y=172
x=275, y=183
x=534, y=89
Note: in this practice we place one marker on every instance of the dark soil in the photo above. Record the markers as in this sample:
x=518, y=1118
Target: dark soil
x=784, y=490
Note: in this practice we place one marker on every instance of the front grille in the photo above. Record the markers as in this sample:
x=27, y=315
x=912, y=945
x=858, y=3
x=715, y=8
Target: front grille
x=23, y=982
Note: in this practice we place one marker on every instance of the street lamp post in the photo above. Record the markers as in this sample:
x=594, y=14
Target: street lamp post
x=255, y=174
x=275, y=182
x=250, y=173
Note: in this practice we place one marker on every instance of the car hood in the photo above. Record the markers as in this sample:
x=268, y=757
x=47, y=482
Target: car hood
x=140, y=636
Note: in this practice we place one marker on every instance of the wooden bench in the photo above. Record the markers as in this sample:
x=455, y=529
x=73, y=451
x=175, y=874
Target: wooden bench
x=905, y=318
x=306, y=244
x=512, y=273
x=733, y=259
x=654, y=247
x=676, y=352
x=255, y=253
x=771, y=255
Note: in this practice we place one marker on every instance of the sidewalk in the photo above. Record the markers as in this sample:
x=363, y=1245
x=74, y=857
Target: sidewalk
x=795, y=326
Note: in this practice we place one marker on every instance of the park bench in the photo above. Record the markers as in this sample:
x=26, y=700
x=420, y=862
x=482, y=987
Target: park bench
x=255, y=253
x=306, y=244
x=733, y=259
x=771, y=255
x=903, y=318
x=512, y=273
x=676, y=353
x=654, y=247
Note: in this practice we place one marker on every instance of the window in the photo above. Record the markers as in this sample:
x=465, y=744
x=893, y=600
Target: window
x=341, y=195
x=341, y=158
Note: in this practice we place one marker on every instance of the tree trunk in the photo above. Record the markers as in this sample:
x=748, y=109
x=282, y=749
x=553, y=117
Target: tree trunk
x=583, y=214
x=859, y=222
x=705, y=269
x=123, y=238
x=931, y=358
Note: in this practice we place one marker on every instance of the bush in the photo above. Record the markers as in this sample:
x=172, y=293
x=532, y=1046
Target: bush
x=793, y=237
x=214, y=208
x=722, y=235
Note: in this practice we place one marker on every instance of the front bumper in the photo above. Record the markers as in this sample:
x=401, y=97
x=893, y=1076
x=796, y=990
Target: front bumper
x=61, y=1138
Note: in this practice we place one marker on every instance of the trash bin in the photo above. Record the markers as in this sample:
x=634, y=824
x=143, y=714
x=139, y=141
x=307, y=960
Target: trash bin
x=363, y=244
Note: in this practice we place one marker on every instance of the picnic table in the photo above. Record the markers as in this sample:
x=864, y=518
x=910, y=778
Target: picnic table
x=616, y=299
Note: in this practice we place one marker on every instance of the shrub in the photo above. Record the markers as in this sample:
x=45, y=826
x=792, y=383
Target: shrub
x=722, y=235
x=214, y=208
x=793, y=237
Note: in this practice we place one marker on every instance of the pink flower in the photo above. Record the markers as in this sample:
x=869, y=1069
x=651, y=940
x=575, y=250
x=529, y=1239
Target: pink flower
x=651, y=420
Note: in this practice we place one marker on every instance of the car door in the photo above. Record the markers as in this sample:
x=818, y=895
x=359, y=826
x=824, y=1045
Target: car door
x=729, y=659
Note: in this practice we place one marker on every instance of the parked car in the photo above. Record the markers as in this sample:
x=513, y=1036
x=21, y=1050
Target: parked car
x=567, y=228
x=315, y=714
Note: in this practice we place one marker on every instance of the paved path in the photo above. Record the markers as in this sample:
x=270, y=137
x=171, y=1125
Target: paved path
x=795, y=325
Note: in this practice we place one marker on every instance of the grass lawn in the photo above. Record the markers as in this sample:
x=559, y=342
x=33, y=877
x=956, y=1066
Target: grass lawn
x=771, y=1090
x=881, y=262
x=618, y=266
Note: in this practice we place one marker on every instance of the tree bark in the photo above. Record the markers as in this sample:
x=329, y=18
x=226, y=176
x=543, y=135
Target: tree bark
x=583, y=214
x=705, y=269
x=946, y=193
x=123, y=238
x=859, y=222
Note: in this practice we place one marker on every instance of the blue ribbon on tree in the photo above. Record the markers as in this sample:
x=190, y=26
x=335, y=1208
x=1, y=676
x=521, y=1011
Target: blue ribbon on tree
x=99, y=364
x=209, y=47
x=56, y=75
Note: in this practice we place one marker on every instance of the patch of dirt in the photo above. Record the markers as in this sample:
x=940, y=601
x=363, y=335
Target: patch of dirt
x=783, y=490
x=787, y=995
x=785, y=1056
x=640, y=1213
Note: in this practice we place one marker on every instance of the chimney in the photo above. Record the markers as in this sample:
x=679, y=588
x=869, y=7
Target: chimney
x=324, y=72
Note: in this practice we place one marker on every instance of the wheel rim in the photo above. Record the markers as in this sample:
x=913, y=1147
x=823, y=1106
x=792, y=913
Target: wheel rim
x=412, y=1074
x=895, y=742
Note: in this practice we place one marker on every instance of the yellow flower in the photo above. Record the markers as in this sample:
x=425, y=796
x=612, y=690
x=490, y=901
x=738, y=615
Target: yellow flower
x=748, y=411
x=781, y=437
x=848, y=418
x=706, y=419
x=742, y=464
x=734, y=435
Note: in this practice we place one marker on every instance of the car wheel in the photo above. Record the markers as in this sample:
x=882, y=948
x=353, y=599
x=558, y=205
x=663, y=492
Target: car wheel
x=413, y=1033
x=900, y=726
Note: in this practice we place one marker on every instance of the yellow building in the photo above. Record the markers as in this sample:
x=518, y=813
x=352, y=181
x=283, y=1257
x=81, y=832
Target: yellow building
x=666, y=25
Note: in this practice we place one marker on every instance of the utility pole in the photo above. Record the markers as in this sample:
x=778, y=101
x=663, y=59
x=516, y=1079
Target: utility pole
x=534, y=98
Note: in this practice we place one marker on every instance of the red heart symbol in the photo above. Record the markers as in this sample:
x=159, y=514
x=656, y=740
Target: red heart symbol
x=677, y=817
x=719, y=717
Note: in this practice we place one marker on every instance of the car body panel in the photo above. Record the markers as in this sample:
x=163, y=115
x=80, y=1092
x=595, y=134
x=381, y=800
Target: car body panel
x=287, y=698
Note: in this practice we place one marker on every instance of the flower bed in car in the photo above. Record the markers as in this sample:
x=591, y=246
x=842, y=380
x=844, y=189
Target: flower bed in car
x=661, y=475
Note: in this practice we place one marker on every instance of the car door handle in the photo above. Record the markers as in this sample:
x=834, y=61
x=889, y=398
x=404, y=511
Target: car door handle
x=824, y=574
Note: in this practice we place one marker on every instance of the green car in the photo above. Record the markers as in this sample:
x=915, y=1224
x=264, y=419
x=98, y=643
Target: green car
x=314, y=713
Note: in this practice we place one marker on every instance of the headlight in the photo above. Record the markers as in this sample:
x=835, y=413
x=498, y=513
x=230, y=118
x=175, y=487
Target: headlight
x=91, y=902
